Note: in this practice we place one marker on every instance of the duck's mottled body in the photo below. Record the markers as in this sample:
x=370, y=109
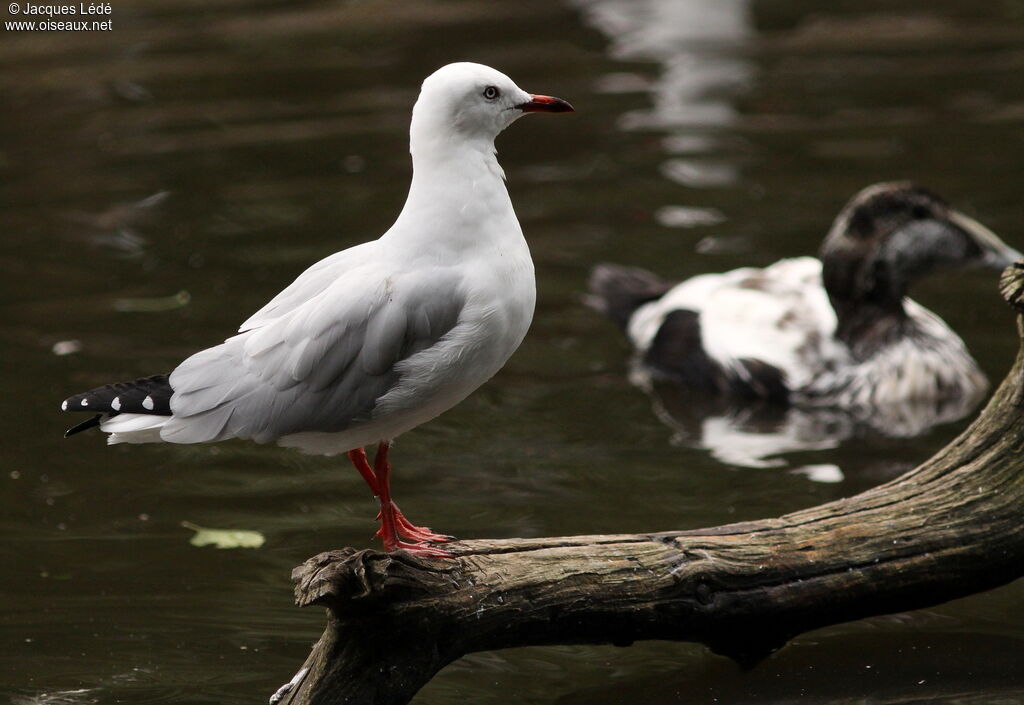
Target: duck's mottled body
x=771, y=333
x=838, y=330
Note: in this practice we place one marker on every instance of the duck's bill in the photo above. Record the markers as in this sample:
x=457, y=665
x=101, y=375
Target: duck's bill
x=995, y=253
x=545, y=104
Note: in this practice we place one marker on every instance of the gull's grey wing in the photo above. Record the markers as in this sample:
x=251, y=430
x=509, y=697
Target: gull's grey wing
x=322, y=366
x=315, y=280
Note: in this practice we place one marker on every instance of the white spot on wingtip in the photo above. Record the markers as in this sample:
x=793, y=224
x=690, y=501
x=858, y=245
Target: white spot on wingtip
x=116, y=404
x=148, y=403
x=64, y=405
x=85, y=402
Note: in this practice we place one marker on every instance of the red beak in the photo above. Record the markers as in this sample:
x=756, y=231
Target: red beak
x=545, y=104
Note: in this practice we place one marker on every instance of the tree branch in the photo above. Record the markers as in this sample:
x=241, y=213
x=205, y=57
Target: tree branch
x=948, y=528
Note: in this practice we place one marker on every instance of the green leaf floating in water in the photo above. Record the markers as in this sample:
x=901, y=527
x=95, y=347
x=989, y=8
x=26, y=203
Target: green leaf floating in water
x=224, y=538
x=162, y=303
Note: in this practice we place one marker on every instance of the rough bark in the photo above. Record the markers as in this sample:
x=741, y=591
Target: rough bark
x=948, y=528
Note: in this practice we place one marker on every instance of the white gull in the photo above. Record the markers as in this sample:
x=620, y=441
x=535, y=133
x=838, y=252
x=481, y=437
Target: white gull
x=377, y=339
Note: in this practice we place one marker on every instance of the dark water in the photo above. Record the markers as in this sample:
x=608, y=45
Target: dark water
x=218, y=149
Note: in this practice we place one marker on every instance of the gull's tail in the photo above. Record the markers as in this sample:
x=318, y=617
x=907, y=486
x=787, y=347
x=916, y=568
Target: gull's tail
x=132, y=412
x=618, y=291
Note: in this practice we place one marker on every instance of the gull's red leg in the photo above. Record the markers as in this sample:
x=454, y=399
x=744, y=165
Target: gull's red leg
x=358, y=458
x=391, y=528
x=417, y=533
x=403, y=526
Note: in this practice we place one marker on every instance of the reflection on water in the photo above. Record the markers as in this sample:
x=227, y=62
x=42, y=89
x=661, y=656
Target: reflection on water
x=118, y=227
x=697, y=45
x=218, y=149
x=75, y=696
x=695, y=42
x=755, y=434
x=896, y=669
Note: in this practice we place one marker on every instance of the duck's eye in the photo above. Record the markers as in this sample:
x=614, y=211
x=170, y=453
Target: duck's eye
x=491, y=92
x=920, y=212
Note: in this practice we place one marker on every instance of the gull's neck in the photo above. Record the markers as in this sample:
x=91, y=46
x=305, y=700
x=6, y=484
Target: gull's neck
x=457, y=197
x=443, y=165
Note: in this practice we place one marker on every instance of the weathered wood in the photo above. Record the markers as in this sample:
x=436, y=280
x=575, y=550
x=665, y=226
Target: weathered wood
x=949, y=528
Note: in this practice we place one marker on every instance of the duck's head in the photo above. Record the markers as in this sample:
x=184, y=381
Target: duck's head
x=891, y=234
x=471, y=103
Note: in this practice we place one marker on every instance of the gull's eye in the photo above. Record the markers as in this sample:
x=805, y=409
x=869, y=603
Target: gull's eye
x=491, y=92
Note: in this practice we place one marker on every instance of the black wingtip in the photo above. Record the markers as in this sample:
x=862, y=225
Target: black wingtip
x=84, y=426
x=148, y=395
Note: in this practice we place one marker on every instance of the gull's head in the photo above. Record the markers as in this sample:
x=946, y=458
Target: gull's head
x=474, y=102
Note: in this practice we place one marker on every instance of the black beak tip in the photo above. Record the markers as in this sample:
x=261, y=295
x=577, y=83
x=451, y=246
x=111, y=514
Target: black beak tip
x=561, y=106
x=546, y=104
